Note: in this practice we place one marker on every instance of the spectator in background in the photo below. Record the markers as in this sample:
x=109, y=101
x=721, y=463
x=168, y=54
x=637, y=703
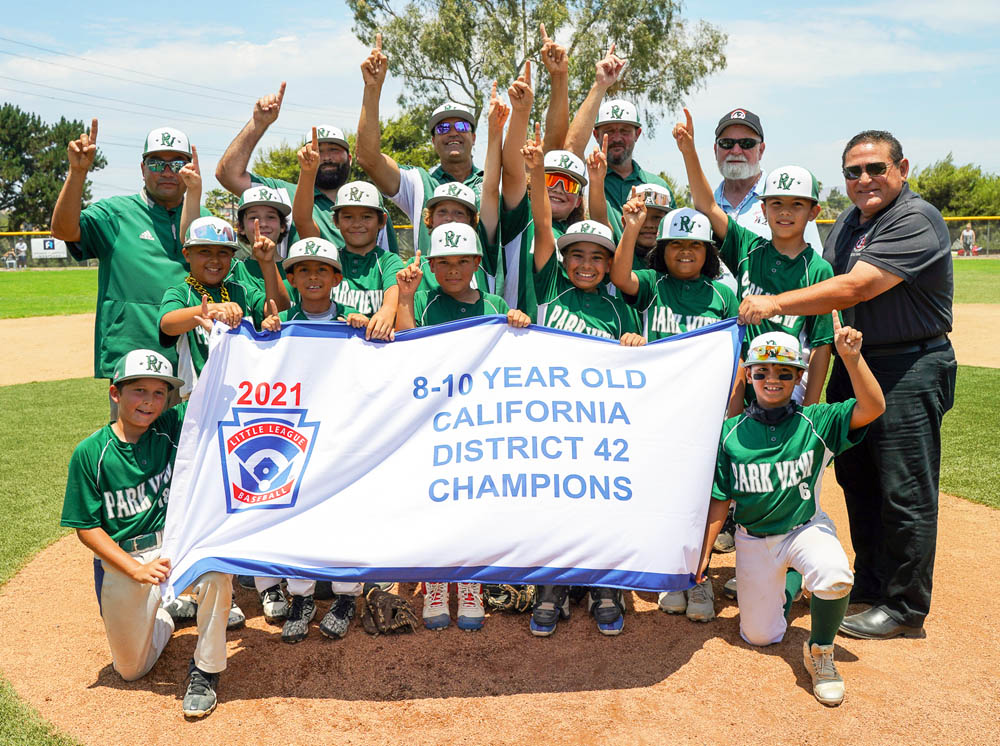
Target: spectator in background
x=21, y=249
x=968, y=239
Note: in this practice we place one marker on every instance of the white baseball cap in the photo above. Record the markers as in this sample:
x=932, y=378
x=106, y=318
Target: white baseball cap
x=144, y=364
x=451, y=109
x=313, y=249
x=454, y=191
x=791, y=181
x=780, y=348
x=358, y=194
x=618, y=111
x=211, y=231
x=685, y=224
x=587, y=230
x=454, y=239
x=566, y=162
x=166, y=139
x=329, y=133
x=263, y=195
x=656, y=196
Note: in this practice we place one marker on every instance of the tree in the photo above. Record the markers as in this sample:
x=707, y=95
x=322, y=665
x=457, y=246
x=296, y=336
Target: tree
x=834, y=204
x=222, y=204
x=957, y=190
x=682, y=195
x=279, y=162
x=33, y=165
x=454, y=49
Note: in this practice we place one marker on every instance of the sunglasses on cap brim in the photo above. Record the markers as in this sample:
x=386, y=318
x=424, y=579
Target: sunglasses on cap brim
x=443, y=128
x=156, y=165
x=772, y=354
x=656, y=199
x=212, y=233
x=570, y=186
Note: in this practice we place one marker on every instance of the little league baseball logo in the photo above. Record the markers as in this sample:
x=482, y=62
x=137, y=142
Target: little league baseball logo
x=265, y=452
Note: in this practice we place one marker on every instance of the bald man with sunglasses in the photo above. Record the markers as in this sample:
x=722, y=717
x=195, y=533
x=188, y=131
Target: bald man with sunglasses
x=891, y=255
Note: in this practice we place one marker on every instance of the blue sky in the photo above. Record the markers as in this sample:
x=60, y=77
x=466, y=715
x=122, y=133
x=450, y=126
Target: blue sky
x=815, y=75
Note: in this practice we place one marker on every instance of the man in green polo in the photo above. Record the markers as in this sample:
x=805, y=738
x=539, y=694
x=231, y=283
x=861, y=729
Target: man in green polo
x=453, y=133
x=334, y=170
x=136, y=238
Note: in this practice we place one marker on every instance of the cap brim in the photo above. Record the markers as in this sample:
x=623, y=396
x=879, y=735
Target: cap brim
x=582, y=178
x=568, y=239
x=293, y=260
x=732, y=122
x=281, y=207
x=449, y=113
x=172, y=380
x=166, y=150
x=335, y=141
x=227, y=244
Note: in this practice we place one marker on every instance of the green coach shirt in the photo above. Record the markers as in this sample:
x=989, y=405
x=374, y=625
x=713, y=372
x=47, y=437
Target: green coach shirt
x=416, y=186
x=760, y=269
x=670, y=306
x=122, y=487
x=618, y=190
x=562, y=305
x=774, y=472
x=138, y=244
x=517, y=252
x=434, y=307
x=366, y=278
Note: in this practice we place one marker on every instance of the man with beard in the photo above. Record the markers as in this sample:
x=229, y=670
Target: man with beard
x=334, y=170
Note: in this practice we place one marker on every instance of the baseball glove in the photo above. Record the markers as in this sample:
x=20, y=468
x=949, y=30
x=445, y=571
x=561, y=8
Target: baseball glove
x=385, y=612
x=516, y=598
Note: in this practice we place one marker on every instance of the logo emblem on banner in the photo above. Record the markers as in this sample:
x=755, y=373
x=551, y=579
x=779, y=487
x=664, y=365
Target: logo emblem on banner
x=265, y=452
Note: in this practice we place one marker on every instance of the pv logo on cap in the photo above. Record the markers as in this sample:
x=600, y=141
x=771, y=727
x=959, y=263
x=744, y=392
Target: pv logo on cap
x=356, y=194
x=265, y=454
x=585, y=228
x=785, y=181
x=684, y=223
x=153, y=364
x=311, y=247
x=617, y=112
x=738, y=114
x=451, y=239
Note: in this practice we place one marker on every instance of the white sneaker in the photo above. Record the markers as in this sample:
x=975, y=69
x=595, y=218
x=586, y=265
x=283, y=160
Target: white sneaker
x=701, y=602
x=470, y=606
x=436, y=614
x=673, y=602
x=236, y=617
x=274, y=603
x=828, y=686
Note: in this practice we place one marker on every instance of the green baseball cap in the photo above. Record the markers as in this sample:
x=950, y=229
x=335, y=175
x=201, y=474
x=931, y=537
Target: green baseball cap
x=313, y=249
x=454, y=239
x=791, y=181
x=166, y=139
x=587, y=230
x=144, y=364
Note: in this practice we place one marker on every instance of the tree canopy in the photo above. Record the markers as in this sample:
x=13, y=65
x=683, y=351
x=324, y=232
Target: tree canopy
x=33, y=165
x=454, y=49
x=957, y=190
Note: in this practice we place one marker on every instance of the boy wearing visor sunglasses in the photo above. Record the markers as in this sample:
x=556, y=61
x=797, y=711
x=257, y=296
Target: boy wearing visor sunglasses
x=771, y=462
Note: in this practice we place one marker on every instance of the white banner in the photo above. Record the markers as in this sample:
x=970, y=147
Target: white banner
x=467, y=451
x=48, y=248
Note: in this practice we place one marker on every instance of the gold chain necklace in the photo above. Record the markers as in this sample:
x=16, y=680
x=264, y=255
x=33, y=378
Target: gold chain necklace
x=223, y=293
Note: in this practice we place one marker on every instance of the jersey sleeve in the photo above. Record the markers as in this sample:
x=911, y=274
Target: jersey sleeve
x=833, y=424
x=98, y=232
x=491, y=249
x=494, y=304
x=411, y=182
x=546, y=279
x=514, y=221
x=174, y=298
x=647, y=282
x=721, y=485
x=172, y=421
x=737, y=244
x=389, y=264
x=83, y=500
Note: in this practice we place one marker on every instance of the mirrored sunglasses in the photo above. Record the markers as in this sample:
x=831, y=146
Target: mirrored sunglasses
x=656, y=199
x=443, y=128
x=745, y=143
x=156, y=165
x=852, y=173
x=570, y=186
x=212, y=233
x=772, y=353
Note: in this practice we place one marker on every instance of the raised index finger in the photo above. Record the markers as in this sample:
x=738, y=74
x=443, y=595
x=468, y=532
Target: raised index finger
x=690, y=121
x=93, y=130
x=378, y=41
x=611, y=50
x=194, y=158
x=416, y=259
x=256, y=230
x=281, y=92
x=604, y=145
x=545, y=36
x=315, y=142
x=836, y=321
x=527, y=72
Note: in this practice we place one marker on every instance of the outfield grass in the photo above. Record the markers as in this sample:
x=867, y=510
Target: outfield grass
x=970, y=437
x=977, y=280
x=54, y=292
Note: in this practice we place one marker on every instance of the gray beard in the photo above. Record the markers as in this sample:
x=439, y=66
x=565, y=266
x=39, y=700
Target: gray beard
x=738, y=171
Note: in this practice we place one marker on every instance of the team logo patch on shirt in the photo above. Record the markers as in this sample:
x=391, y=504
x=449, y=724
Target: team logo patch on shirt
x=265, y=452
x=860, y=245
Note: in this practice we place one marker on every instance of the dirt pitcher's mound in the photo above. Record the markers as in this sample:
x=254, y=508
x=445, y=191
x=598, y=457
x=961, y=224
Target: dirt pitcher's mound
x=664, y=680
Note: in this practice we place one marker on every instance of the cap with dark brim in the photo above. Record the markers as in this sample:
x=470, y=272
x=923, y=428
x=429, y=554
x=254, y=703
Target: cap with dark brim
x=740, y=116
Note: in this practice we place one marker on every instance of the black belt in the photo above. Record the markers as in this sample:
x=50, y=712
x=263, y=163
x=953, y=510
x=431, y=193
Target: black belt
x=906, y=348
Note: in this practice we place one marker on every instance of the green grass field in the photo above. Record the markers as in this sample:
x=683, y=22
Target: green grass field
x=977, y=280
x=54, y=292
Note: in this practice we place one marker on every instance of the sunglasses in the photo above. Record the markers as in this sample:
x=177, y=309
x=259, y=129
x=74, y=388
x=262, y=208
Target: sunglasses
x=570, y=186
x=760, y=376
x=852, y=173
x=745, y=143
x=772, y=353
x=212, y=233
x=443, y=128
x=156, y=165
x=656, y=199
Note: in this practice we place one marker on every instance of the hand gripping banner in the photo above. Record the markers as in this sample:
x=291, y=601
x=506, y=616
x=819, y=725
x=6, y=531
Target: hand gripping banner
x=469, y=451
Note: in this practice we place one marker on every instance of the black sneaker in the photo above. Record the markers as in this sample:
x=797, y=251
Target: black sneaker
x=200, y=699
x=607, y=605
x=246, y=582
x=551, y=604
x=300, y=612
x=338, y=619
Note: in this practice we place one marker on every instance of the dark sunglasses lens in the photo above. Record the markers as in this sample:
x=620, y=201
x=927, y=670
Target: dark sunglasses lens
x=463, y=127
x=442, y=128
x=725, y=143
x=876, y=169
x=852, y=172
x=747, y=142
x=728, y=143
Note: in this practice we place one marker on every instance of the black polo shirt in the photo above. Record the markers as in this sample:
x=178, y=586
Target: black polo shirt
x=909, y=239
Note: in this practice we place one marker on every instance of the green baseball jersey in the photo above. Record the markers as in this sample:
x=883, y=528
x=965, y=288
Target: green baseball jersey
x=138, y=244
x=433, y=307
x=123, y=487
x=416, y=186
x=618, y=190
x=517, y=251
x=295, y=313
x=760, y=269
x=486, y=276
x=366, y=278
x=192, y=346
x=774, y=472
x=562, y=305
x=323, y=216
x=618, y=227
x=669, y=306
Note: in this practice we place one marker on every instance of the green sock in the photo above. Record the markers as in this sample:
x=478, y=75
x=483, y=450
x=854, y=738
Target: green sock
x=826, y=618
x=793, y=584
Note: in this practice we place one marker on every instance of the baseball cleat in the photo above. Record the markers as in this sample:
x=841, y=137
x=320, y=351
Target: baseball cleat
x=435, y=612
x=701, y=602
x=246, y=582
x=274, y=604
x=182, y=609
x=200, y=698
x=729, y=589
x=607, y=605
x=236, y=617
x=471, y=615
x=337, y=620
x=551, y=604
x=673, y=602
x=300, y=613
x=828, y=685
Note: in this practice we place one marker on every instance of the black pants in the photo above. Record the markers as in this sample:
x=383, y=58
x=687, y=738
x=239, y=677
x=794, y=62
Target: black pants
x=890, y=480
